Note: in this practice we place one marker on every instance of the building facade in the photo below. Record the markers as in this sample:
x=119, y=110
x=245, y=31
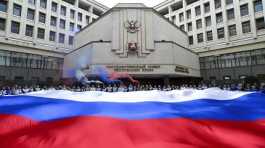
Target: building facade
x=36, y=34
x=228, y=35
x=134, y=39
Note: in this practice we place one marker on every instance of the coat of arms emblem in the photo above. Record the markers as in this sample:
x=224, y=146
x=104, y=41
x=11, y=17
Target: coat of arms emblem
x=132, y=26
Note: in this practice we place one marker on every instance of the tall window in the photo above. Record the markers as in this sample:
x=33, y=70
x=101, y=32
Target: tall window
x=209, y=35
x=217, y=4
x=220, y=33
x=190, y=40
x=181, y=17
x=208, y=21
x=43, y=4
x=52, y=36
x=28, y=60
x=80, y=17
x=2, y=24
x=79, y=27
x=71, y=40
x=3, y=6
x=258, y=5
x=232, y=30
x=173, y=19
x=41, y=33
x=17, y=9
x=72, y=14
x=61, y=38
x=15, y=27
x=54, y=7
x=188, y=12
x=199, y=24
x=30, y=14
x=32, y=2
x=87, y=19
x=206, y=7
x=230, y=14
x=197, y=10
x=190, y=26
x=219, y=18
x=260, y=24
x=228, y=2
x=246, y=27
x=42, y=17
x=72, y=27
x=260, y=54
x=29, y=30
x=200, y=37
x=62, y=24
x=244, y=10
x=53, y=21
x=63, y=10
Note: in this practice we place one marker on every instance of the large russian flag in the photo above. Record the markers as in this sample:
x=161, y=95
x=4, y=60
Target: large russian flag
x=154, y=119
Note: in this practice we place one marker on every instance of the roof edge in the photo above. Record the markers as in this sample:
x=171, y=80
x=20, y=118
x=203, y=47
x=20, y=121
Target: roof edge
x=148, y=8
x=175, y=43
x=99, y=4
x=165, y=2
x=142, y=4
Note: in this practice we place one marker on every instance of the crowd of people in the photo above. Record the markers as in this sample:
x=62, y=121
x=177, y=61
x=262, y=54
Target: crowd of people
x=16, y=90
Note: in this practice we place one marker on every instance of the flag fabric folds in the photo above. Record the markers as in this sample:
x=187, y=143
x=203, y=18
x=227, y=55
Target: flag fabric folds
x=153, y=119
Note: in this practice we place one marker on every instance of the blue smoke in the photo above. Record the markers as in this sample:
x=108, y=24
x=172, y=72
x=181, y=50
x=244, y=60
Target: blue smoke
x=83, y=61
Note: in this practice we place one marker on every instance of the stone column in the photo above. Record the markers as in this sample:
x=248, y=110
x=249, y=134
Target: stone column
x=252, y=19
